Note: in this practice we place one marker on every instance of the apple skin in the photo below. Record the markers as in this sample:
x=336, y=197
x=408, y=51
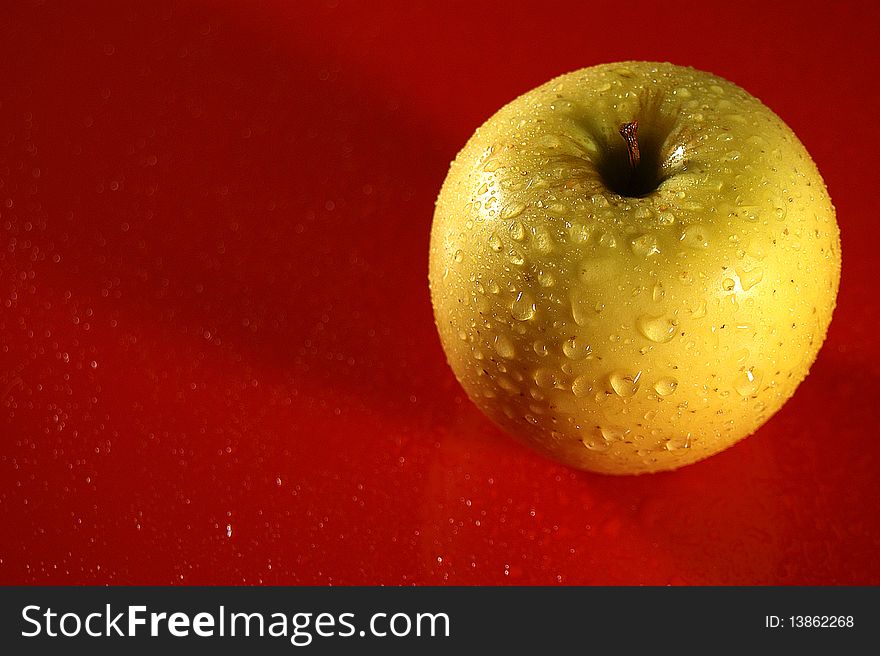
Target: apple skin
x=644, y=330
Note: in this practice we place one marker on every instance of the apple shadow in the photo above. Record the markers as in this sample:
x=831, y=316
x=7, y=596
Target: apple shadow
x=253, y=195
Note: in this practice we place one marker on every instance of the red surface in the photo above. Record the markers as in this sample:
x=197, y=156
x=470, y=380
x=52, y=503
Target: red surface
x=217, y=352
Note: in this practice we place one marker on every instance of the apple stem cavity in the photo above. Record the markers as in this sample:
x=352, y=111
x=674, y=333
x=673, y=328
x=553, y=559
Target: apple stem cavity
x=632, y=168
x=629, y=132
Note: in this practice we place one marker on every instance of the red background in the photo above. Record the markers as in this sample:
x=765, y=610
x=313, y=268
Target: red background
x=217, y=352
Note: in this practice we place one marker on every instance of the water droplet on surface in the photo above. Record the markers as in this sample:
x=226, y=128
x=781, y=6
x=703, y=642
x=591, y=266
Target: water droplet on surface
x=666, y=218
x=657, y=329
x=459, y=256
x=665, y=386
x=495, y=243
x=504, y=346
x=747, y=382
x=750, y=278
x=624, y=385
x=540, y=347
x=523, y=307
x=728, y=284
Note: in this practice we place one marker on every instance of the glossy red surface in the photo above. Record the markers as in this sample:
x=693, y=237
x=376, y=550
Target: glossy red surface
x=217, y=356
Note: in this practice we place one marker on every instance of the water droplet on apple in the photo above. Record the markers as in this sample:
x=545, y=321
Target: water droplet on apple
x=523, y=307
x=512, y=210
x=594, y=442
x=728, y=284
x=579, y=233
x=495, y=243
x=504, y=347
x=623, y=384
x=576, y=348
x=543, y=242
x=581, y=386
x=517, y=231
x=545, y=378
x=750, y=278
x=516, y=257
x=695, y=236
x=700, y=311
x=608, y=240
x=645, y=246
x=751, y=213
x=613, y=433
x=747, y=382
x=676, y=443
x=459, y=256
x=657, y=329
x=507, y=385
x=666, y=218
x=658, y=292
x=540, y=347
x=665, y=386
x=741, y=355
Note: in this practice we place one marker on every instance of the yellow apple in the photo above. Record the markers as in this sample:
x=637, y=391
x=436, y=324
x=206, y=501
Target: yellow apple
x=633, y=266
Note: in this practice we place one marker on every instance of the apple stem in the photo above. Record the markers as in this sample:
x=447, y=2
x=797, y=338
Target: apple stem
x=629, y=133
